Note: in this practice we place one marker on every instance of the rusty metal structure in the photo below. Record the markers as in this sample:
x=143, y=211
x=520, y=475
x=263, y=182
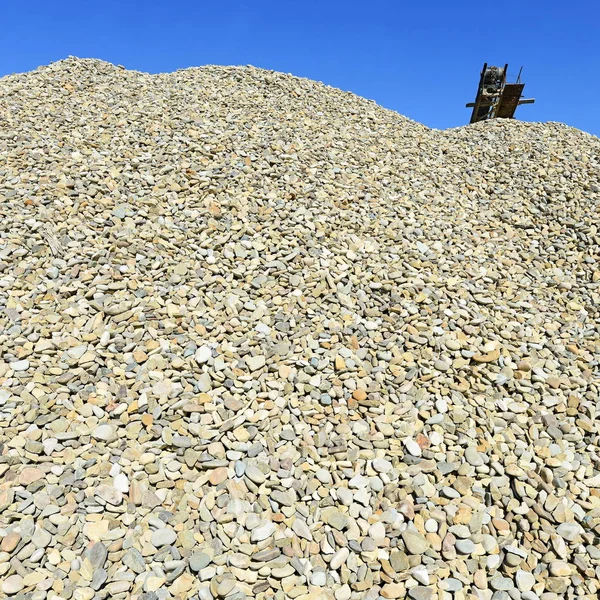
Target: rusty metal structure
x=495, y=97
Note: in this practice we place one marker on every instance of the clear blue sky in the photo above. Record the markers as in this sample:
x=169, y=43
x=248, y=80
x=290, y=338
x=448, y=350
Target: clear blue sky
x=420, y=58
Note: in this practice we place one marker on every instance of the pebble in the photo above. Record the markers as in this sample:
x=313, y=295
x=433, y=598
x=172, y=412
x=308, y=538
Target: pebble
x=412, y=448
x=361, y=355
x=524, y=580
x=420, y=592
x=41, y=538
x=255, y=474
x=393, y=590
x=415, y=542
x=97, y=555
x=121, y=483
x=262, y=532
x=301, y=529
x=465, y=546
x=339, y=558
x=199, y=561
x=104, y=433
x=473, y=457
x=569, y=531
x=134, y=560
x=255, y=362
x=225, y=587
x=17, y=367
x=559, y=568
x=12, y=585
x=381, y=465
x=163, y=537
x=421, y=574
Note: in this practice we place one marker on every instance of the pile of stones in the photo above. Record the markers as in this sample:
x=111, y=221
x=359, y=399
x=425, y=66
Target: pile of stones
x=264, y=339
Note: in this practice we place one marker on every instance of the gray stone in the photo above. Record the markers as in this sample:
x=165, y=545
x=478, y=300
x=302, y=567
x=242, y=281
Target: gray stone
x=255, y=474
x=420, y=592
x=464, y=546
x=199, y=561
x=19, y=366
x=104, y=433
x=134, y=560
x=98, y=579
x=524, y=580
x=263, y=531
x=415, y=542
x=318, y=578
x=473, y=457
x=163, y=537
x=41, y=538
x=97, y=555
x=569, y=531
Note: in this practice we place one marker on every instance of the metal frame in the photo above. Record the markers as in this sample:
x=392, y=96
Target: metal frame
x=501, y=104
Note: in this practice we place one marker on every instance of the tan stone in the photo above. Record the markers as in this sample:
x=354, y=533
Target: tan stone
x=393, y=590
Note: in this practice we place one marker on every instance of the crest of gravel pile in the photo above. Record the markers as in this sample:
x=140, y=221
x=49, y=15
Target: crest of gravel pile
x=261, y=338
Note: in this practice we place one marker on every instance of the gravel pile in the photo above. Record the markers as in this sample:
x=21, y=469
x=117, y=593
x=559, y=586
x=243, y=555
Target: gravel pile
x=261, y=338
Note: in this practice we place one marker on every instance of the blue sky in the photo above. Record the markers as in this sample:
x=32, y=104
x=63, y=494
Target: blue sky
x=421, y=58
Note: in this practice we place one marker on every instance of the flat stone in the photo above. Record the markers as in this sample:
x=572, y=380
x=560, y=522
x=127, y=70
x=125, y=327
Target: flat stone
x=203, y=355
x=121, y=483
x=99, y=578
x=524, y=580
x=134, y=560
x=218, y=475
x=255, y=362
x=381, y=465
x=569, y=531
x=465, y=546
x=335, y=518
x=105, y=433
x=412, y=448
x=199, y=561
x=30, y=475
x=109, y=494
x=415, y=542
x=377, y=532
x=559, y=568
x=339, y=558
x=41, y=538
x=10, y=542
x=420, y=592
x=301, y=529
x=18, y=367
x=97, y=555
x=163, y=537
x=473, y=457
x=255, y=474
x=451, y=585
x=393, y=590
x=500, y=583
x=225, y=587
x=12, y=585
x=262, y=531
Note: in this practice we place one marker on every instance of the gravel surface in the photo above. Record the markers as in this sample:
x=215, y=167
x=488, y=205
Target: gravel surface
x=261, y=338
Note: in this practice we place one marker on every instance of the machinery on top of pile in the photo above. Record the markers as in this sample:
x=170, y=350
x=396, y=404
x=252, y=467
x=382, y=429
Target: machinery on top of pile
x=496, y=98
